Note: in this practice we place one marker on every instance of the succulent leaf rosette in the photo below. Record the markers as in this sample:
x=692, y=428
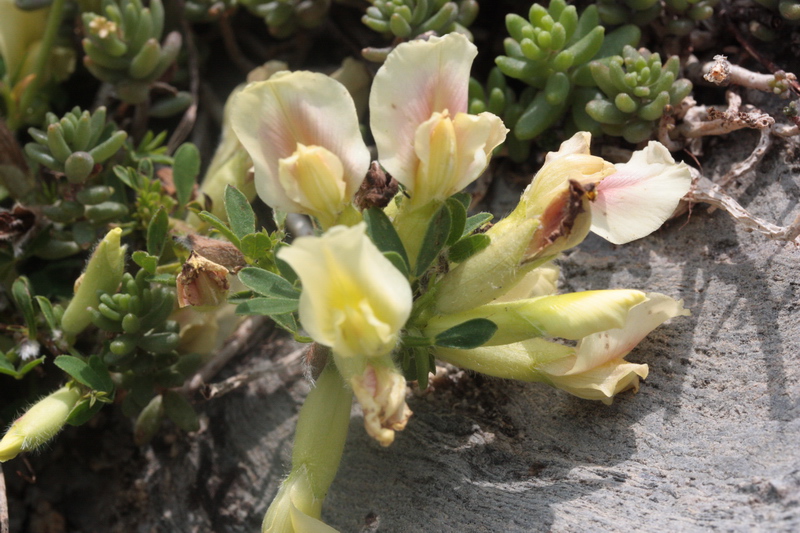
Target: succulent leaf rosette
x=384, y=289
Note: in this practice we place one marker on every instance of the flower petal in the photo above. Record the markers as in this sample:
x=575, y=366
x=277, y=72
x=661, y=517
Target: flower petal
x=605, y=346
x=418, y=78
x=601, y=383
x=640, y=196
x=478, y=136
x=354, y=300
x=272, y=117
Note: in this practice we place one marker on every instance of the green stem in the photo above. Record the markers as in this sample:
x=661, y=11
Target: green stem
x=49, y=38
x=318, y=447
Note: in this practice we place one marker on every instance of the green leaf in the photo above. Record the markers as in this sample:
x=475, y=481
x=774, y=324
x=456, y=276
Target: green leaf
x=83, y=373
x=267, y=306
x=467, y=335
x=47, y=312
x=267, y=284
x=185, y=170
x=467, y=247
x=240, y=213
x=21, y=292
x=286, y=271
x=220, y=226
x=179, y=410
x=398, y=262
x=256, y=246
x=83, y=412
x=146, y=261
x=458, y=215
x=157, y=232
x=434, y=240
x=476, y=221
x=27, y=367
x=287, y=322
x=99, y=367
x=383, y=234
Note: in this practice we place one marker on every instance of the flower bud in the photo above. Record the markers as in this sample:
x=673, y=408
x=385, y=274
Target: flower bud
x=103, y=274
x=40, y=423
x=381, y=391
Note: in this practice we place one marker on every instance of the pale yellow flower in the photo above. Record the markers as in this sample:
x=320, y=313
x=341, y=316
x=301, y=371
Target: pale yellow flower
x=594, y=369
x=302, y=134
x=418, y=118
x=354, y=300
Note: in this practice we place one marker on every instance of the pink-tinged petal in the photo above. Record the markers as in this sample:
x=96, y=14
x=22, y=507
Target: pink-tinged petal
x=640, y=196
x=272, y=117
x=417, y=79
x=477, y=136
x=606, y=346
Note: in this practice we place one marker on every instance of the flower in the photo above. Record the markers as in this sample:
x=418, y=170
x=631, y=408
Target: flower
x=381, y=391
x=301, y=131
x=354, y=300
x=594, y=369
x=40, y=423
x=567, y=316
x=418, y=118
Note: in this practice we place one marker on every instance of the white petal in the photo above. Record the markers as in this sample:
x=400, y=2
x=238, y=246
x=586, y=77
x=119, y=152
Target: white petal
x=600, y=348
x=478, y=136
x=418, y=78
x=577, y=144
x=640, y=196
x=272, y=117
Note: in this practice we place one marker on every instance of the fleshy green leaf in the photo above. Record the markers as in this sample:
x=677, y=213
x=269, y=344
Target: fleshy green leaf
x=240, y=214
x=467, y=335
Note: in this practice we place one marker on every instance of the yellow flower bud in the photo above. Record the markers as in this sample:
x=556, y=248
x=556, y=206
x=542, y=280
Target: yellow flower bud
x=103, y=274
x=40, y=423
x=314, y=177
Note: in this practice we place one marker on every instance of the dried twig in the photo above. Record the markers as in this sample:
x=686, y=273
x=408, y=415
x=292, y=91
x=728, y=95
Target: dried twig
x=750, y=163
x=701, y=121
x=705, y=191
x=723, y=72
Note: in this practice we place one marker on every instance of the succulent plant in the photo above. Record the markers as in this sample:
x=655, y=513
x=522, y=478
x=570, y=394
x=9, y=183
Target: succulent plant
x=207, y=10
x=637, y=88
x=789, y=11
x=639, y=12
x=550, y=51
x=122, y=46
x=284, y=17
x=498, y=98
x=683, y=15
x=74, y=144
x=408, y=18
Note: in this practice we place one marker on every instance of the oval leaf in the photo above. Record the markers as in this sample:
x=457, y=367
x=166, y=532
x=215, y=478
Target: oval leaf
x=468, y=246
x=267, y=284
x=240, y=214
x=467, y=335
x=435, y=239
x=267, y=306
x=185, y=170
x=383, y=234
